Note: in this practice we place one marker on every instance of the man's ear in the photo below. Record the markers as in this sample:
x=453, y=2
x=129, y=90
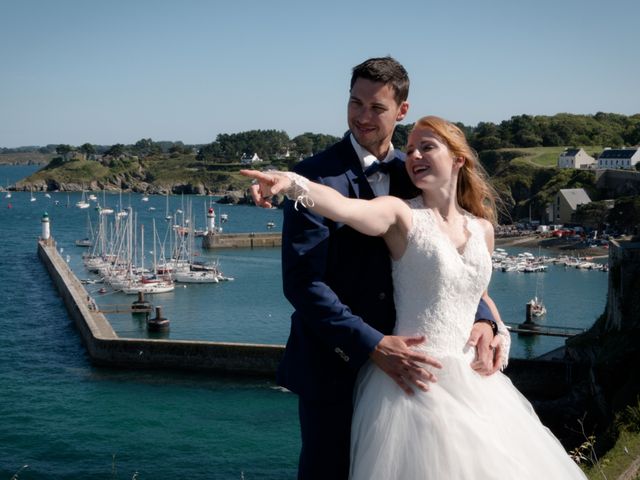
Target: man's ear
x=404, y=108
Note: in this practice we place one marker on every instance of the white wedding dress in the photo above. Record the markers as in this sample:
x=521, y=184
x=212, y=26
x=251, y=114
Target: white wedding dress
x=467, y=426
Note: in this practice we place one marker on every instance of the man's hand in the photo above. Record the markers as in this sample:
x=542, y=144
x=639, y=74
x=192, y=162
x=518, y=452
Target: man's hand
x=404, y=365
x=488, y=349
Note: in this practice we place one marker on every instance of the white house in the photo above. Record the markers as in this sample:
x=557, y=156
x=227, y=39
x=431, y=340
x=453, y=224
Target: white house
x=623, y=158
x=250, y=158
x=575, y=158
x=566, y=203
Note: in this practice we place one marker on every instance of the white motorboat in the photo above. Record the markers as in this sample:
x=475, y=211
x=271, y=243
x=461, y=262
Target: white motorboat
x=206, y=276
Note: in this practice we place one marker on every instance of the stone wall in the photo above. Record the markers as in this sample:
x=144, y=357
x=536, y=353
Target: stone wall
x=624, y=286
x=242, y=240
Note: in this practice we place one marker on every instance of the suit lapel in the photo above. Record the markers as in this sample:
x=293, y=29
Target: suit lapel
x=353, y=171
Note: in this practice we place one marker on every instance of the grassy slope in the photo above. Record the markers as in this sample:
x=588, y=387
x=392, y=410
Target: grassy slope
x=546, y=156
x=162, y=170
x=618, y=459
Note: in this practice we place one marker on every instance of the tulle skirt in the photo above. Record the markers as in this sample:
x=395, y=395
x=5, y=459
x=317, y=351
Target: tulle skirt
x=465, y=427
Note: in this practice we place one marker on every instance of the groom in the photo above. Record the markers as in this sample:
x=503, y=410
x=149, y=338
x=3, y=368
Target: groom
x=339, y=281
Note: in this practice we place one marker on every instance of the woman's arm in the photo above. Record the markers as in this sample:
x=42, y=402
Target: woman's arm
x=385, y=216
x=502, y=341
x=503, y=346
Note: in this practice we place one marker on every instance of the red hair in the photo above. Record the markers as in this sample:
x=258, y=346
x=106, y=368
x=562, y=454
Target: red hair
x=474, y=192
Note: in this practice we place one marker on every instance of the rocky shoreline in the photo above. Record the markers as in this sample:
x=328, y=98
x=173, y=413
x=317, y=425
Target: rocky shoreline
x=226, y=197
x=560, y=245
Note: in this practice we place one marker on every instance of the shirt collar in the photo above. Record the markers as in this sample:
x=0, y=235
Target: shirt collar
x=367, y=158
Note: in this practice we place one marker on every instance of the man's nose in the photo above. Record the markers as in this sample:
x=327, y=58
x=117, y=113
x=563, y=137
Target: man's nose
x=364, y=115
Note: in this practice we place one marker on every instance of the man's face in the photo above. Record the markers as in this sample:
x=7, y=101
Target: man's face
x=372, y=115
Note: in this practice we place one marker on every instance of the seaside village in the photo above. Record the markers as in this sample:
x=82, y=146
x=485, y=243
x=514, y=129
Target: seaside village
x=615, y=171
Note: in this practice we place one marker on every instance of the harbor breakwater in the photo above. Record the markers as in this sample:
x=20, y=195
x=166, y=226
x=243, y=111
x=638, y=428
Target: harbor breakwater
x=106, y=348
x=547, y=377
x=242, y=240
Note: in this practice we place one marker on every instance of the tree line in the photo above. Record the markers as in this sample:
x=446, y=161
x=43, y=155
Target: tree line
x=267, y=144
x=521, y=131
x=564, y=129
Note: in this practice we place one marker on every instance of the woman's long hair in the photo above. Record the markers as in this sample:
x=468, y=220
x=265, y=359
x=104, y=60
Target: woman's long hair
x=474, y=192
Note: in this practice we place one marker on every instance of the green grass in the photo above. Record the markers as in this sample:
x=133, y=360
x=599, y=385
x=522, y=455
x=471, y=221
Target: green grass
x=545, y=156
x=617, y=460
x=72, y=171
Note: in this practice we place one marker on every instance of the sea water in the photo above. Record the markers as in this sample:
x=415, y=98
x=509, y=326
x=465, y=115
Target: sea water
x=68, y=420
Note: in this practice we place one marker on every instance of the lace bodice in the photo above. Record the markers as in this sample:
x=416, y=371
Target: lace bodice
x=437, y=289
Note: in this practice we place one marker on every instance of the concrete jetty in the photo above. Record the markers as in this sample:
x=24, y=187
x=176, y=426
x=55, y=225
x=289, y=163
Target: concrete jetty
x=105, y=347
x=241, y=240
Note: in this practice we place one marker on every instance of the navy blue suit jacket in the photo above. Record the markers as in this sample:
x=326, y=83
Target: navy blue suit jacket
x=338, y=281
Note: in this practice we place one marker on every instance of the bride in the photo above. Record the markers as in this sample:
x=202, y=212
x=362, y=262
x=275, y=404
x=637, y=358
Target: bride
x=464, y=426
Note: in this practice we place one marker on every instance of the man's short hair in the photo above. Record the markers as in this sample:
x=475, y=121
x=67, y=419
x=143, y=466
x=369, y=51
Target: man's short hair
x=386, y=70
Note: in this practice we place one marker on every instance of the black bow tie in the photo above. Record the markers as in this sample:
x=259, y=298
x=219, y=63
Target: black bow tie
x=382, y=167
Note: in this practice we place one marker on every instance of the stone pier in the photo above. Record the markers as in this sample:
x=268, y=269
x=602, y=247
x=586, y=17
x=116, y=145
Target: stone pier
x=105, y=347
x=241, y=240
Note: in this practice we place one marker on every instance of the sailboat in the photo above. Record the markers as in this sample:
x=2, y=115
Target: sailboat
x=537, y=307
x=122, y=212
x=8, y=194
x=147, y=284
x=33, y=199
x=184, y=268
x=83, y=202
x=167, y=217
x=104, y=210
x=88, y=240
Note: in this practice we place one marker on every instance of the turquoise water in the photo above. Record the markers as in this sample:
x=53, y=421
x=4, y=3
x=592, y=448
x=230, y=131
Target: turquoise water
x=69, y=420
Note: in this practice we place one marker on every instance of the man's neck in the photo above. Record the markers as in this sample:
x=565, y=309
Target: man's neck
x=380, y=155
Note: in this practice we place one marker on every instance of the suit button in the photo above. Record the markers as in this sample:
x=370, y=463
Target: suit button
x=382, y=295
x=343, y=356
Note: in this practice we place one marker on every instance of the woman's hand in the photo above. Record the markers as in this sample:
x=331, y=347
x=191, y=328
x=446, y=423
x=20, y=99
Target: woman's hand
x=266, y=185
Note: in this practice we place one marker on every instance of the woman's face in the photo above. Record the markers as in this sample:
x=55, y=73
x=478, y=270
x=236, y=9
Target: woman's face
x=429, y=161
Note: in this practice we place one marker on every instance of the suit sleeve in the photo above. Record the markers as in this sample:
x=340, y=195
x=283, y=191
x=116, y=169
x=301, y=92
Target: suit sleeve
x=305, y=244
x=484, y=312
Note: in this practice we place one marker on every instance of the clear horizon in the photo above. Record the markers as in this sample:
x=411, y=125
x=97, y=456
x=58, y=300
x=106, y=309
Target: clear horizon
x=77, y=72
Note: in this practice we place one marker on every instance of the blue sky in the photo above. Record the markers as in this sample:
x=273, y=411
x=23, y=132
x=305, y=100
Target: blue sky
x=118, y=71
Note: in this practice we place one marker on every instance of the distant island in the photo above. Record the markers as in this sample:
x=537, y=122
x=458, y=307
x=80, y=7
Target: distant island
x=520, y=155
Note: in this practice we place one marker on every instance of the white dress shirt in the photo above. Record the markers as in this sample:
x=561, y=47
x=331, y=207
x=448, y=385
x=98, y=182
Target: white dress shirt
x=379, y=181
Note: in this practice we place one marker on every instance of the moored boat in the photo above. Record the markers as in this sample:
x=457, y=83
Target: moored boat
x=537, y=307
